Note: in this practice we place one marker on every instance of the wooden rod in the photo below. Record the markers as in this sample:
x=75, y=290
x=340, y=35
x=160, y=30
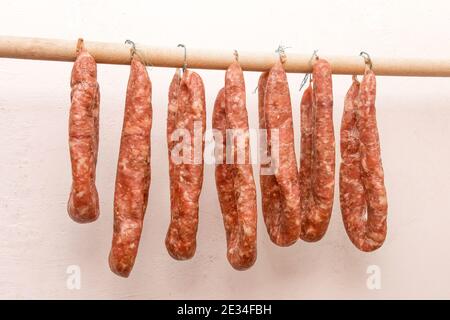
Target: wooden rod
x=119, y=53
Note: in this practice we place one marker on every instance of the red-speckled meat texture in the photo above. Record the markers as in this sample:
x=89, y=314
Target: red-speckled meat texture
x=224, y=176
x=280, y=191
x=361, y=182
x=172, y=110
x=83, y=204
x=133, y=171
x=234, y=180
x=317, y=154
x=273, y=205
x=187, y=111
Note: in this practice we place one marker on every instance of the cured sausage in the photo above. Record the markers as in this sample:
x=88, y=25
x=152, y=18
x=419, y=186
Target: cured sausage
x=133, y=171
x=361, y=178
x=171, y=126
x=317, y=153
x=280, y=188
x=83, y=204
x=234, y=174
x=186, y=111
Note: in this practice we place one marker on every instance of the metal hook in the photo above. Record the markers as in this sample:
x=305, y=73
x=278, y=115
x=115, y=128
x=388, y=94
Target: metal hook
x=314, y=55
x=308, y=75
x=133, y=46
x=367, y=59
x=185, y=56
x=236, y=55
x=305, y=79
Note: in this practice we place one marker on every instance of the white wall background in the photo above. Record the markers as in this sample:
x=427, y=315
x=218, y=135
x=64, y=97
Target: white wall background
x=38, y=241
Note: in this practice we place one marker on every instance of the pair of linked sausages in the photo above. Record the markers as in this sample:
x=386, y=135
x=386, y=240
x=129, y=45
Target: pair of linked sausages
x=295, y=204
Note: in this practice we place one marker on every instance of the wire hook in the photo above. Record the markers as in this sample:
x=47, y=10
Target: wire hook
x=236, y=55
x=308, y=75
x=305, y=79
x=281, y=50
x=185, y=56
x=133, y=46
x=314, y=55
x=367, y=59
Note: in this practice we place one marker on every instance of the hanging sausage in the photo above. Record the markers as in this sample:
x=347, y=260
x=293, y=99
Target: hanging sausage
x=278, y=173
x=83, y=204
x=361, y=178
x=186, y=118
x=133, y=170
x=234, y=174
x=317, y=153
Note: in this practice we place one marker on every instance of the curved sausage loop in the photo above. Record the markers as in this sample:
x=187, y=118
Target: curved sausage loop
x=278, y=171
x=186, y=120
x=317, y=155
x=361, y=179
x=83, y=204
x=234, y=174
x=133, y=171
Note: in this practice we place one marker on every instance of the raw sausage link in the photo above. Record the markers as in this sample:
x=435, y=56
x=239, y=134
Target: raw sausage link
x=317, y=155
x=234, y=179
x=186, y=111
x=133, y=171
x=83, y=204
x=172, y=109
x=361, y=182
x=279, y=189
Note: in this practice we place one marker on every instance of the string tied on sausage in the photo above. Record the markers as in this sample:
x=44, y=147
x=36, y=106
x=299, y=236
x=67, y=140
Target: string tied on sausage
x=282, y=54
x=281, y=50
x=80, y=46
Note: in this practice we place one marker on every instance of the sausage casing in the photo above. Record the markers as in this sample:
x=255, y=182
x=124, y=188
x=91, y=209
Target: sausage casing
x=186, y=111
x=317, y=154
x=133, y=171
x=361, y=178
x=280, y=188
x=83, y=204
x=234, y=174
